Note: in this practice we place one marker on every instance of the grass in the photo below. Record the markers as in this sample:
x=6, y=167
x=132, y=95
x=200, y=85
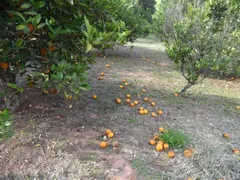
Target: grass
x=176, y=139
x=132, y=120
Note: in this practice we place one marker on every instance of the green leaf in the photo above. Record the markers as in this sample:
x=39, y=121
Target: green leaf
x=30, y=13
x=85, y=86
x=2, y=94
x=39, y=4
x=17, y=14
x=41, y=25
x=60, y=75
x=19, y=42
x=36, y=20
x=14, y=86
x=88, y=48
x=20, y=27
x=25, y=6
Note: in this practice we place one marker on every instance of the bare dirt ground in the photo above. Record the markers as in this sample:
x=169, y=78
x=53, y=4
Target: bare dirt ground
x=54, y=142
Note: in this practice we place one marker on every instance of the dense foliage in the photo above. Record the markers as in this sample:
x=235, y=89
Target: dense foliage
x=201, y=37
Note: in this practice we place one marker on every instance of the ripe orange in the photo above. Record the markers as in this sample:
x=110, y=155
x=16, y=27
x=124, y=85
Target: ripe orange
x=100, y=78
x=108, y=131
x=4, y=65
x=145, y=99
x=126, y=84
x=107, y=65
x=140, y=108
x=124, y=80
x=152, y=142
x=141, y=112
x=121, y=87
x=145, y=111
x=153, y=103
x=47, y=71
x=189, y=179
x=187, y=153
x=132, y=104
x=161, y=142
x=70, y=97
x=176, y=94
x=159, y=147
x=94, y=96
x=156, y=137
x=53, y=91
x=161, y=129
x=160, y=112
x=149, y=100
x=153, y=114
x=166, y=146
x=118, y=100
x=103, y=144
x=128, y=100
x=110, y=135
x=52, y=48
x=43, y=51
x=226, y=135
x=236, y=151
x=144, y=90
x=171, y=154
x=238, y=107
x=30, y=27
x=136, y=102
x=128, y=96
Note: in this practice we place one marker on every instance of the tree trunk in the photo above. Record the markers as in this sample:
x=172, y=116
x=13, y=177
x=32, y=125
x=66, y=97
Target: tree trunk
x=11, y=95
x=189, y=85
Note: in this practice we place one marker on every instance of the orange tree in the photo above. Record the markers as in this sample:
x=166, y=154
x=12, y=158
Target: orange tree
x=49, y=42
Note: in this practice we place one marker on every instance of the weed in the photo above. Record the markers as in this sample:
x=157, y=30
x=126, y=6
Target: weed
x=176, y=139
x=5, y=125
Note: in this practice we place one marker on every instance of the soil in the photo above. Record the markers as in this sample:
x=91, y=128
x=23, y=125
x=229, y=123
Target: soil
x=53, y=141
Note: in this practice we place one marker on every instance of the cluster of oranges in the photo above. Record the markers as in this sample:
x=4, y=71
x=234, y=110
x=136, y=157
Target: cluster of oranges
x=161, y=145
x=109, y=134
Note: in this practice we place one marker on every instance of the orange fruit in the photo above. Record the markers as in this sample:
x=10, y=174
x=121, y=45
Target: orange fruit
x=128, y=100
x=236, y=151
x=100, y=78
x=53, y=91
x=187, y=153
x=4, y=65
x=124, y=80
x=118, y=100
x=141, y=112
x=156, y=137
x=189, y=179
x=159, y=147
x=43, y=51
x=161, y=142
x=153, y=103
x=102, y=74
x=132, y=104
x=110, y=135
x=107, y=65
x=136, y=102
x=108, y=131
x=70, y=97
x=238, y=107
x=226, y=135
x=52, y=48
x=126, y=84
x=191, y=150
x=152, y=142
x=140, y=108
x=94, y=96
x=166, y=146
x=128, y=96
x=11, y=15
x=161, y=129
x=47, y=71
x=30, y=27
x=103, y=144
x=171, y=154
x=121, y=87
x=176, y=94
x=145, y=111
x=153, y=114
x=145, y=99
x=160, y=112
x=144, y=90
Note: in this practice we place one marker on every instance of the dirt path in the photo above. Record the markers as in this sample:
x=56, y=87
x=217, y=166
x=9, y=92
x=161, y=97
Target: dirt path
x=54, y=142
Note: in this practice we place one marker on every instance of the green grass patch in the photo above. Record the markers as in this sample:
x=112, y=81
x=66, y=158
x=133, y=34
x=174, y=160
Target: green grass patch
x=132, y=120
x=176, y=139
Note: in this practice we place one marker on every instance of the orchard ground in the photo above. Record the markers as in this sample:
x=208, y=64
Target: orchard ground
x=52, y=141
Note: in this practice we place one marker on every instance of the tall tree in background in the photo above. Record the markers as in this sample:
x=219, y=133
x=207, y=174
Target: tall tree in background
x=149, y=7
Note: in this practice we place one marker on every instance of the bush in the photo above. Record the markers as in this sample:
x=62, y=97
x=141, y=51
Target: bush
x=5, y=125
x=176, y=139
